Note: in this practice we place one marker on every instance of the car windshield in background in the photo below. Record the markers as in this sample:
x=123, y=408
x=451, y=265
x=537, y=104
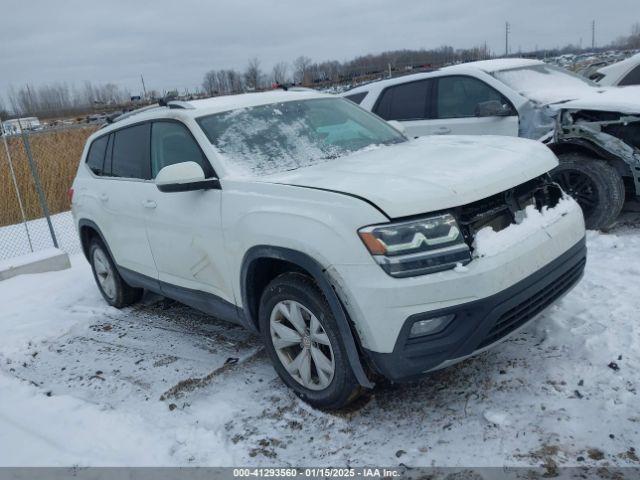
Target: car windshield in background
x=544, y=83
x=285, y=136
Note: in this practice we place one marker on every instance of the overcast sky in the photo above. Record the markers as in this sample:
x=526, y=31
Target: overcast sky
x=172, y=43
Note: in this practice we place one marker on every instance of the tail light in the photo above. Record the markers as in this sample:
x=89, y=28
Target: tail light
x=70, y=195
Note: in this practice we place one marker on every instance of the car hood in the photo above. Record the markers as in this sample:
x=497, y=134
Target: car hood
x=609, y=99
x=427, y=174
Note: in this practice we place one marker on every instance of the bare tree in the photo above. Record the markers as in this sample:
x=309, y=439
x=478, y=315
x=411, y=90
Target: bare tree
x=4, y=113
x=279, y=73
x=634, y=39
x=253, y=75
x=209, y=83
x=301, y=70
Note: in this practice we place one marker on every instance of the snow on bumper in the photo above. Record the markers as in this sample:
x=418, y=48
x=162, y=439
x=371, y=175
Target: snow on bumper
x=379, y=305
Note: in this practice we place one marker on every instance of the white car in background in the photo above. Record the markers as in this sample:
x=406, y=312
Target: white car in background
x=619, y=74
x=348, y=247
x=595, y=131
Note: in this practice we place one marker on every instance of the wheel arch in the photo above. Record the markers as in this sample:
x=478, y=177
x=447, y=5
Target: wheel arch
x=87, y=230
x=262, y=263
x=585, y=147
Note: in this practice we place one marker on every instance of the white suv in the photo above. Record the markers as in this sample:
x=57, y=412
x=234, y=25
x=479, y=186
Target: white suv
x=352, y=250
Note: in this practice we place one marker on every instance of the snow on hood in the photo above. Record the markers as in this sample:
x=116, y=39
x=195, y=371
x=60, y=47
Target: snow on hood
x=429, y=173
x=560, y=89
x=609, y=99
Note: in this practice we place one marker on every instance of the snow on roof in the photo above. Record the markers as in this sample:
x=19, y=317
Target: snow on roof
x=244, y=100
x=496, y=64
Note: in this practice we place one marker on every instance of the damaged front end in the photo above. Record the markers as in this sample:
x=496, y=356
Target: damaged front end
x=611, y=135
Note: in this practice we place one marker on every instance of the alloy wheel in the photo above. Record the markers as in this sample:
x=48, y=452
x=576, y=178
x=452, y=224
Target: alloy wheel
x=302, y=345
x=104, y=273
x=580, y=187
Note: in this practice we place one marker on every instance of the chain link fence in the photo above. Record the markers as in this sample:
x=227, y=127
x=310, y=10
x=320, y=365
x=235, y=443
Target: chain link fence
x=36, y=172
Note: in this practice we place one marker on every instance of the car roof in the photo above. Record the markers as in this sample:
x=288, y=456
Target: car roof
x=208, y=106
x=487, y=66
x=497, y=64
x=620, y=68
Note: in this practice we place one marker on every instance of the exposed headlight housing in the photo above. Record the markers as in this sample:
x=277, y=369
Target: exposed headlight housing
x=417, y=247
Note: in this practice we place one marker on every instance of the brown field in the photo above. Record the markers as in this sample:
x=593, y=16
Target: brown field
x=56, y=155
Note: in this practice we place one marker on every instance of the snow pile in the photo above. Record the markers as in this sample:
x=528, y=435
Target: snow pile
x=489, y=243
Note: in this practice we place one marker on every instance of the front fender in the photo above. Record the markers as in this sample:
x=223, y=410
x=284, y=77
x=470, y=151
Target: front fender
x=318, y=273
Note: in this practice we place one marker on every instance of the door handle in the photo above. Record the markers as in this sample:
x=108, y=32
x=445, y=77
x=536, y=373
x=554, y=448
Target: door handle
x=442, y=131
x=104, y=197
x=149, y=204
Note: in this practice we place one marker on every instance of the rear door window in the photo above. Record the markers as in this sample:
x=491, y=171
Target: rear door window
x=459, y=96
x=130, y=157
x=407, y=101
x=95, y=157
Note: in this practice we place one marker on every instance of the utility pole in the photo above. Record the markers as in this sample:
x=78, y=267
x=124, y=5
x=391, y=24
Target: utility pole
x=507, y=30
x=144, y=89
x=593, y=34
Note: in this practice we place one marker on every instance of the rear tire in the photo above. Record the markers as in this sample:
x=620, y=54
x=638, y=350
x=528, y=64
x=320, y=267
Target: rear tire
x=594, y=184
x=113, y=288
x=311, y=341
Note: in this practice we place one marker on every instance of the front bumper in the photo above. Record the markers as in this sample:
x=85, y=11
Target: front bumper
x=481, y=323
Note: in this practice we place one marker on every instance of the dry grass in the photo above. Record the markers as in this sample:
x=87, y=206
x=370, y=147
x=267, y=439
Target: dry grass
x=56, y=155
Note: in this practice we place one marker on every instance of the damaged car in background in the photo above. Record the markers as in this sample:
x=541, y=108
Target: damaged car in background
x=594, y=130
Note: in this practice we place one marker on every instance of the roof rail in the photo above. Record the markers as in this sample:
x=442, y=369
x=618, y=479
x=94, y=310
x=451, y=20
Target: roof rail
x=180, y=104
x=131, y=113
x=171, y=104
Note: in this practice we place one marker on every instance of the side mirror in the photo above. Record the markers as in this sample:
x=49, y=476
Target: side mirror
x=184, y=177
x=493, y=108
x=398, y=126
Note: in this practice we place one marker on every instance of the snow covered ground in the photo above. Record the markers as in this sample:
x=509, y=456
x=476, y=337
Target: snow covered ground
x=85, y=384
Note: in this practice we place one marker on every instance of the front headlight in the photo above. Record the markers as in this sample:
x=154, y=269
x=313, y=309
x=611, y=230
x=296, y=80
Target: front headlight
x=417, y=247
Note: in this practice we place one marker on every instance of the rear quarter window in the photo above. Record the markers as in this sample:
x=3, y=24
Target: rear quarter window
x=95, y=157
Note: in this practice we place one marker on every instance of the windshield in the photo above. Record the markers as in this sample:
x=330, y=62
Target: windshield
x=285, y=136
x=544, y=83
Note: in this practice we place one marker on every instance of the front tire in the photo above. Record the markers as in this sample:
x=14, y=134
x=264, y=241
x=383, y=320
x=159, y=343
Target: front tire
x=594, y=184
x=113, y=288
x=302, y=340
